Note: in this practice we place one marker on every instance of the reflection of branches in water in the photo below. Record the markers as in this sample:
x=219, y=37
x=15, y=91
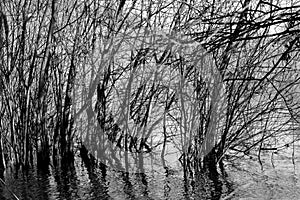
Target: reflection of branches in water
x=128, y=187
x=66, y=181
x=99, y=188
x=142, y=182
x=207, y=186
x=139, y=180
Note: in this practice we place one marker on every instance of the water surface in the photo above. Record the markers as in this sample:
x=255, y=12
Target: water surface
x=246, y=179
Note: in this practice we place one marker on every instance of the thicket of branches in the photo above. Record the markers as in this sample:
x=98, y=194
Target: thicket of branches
x=211, y=77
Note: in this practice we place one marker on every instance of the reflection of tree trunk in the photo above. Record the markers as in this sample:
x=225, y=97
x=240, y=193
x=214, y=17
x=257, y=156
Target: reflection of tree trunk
x=128, y=187
x=141, y=174
x=98, y=186
x=210, y=168
x=63, y=178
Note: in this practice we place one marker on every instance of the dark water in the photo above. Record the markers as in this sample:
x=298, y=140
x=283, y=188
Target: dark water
x=78, y=183
x=277, y=179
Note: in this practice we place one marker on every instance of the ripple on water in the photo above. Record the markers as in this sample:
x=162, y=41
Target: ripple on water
x=277, y=179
